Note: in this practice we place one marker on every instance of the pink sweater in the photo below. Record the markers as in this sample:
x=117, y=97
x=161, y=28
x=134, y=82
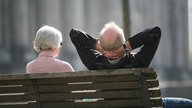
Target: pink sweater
x=46, y=63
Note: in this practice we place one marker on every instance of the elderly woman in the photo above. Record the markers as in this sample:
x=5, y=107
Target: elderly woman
x=47, y=43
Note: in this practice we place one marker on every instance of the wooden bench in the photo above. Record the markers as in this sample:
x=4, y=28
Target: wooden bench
x=119, y=88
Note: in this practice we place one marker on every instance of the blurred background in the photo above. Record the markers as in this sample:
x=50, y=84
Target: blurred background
x=20, y=20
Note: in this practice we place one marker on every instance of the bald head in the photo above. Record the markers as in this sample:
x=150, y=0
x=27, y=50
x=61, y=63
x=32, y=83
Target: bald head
x=111, y=37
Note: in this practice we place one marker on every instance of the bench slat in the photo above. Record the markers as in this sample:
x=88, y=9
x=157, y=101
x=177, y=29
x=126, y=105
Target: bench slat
x=61, y=87
x=93, y=79
x=47, y=97
x=71, y=79
x=155, y=92
x=115, y=72
x=16, y=89
x=153, y=83
x=18, y=105
x=109, y=78
x=18, y=97
x=89, y=79
x=156, y=102
x=91, y=86
x=15, y=82
x=98, y=104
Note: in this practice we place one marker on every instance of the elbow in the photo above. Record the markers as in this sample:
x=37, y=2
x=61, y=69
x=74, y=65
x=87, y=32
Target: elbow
x=73, y=36
x=157, y=30
x=72, y=33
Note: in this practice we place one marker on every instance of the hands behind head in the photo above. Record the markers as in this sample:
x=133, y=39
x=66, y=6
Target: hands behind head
x=114, y=54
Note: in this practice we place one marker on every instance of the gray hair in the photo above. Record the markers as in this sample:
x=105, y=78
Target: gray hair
x=47, y=38
x=120, y=38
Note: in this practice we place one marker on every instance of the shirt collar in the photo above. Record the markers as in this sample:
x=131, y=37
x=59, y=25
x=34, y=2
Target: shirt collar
x=46, y=53
x=114, y=61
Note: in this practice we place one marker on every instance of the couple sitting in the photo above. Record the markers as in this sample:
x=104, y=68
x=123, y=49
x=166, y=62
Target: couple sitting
x=110, y=51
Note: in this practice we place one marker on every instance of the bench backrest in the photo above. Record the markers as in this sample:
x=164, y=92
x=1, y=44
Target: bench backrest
x=120, y=88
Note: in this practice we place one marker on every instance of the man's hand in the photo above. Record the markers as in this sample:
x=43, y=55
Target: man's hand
x=128, y=46
x=98, y=47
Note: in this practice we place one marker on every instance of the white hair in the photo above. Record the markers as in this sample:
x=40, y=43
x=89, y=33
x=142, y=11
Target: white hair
x=111, y=26
x=47, y=38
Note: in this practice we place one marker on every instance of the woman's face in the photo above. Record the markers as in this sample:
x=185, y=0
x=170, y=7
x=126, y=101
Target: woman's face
x=56, y=52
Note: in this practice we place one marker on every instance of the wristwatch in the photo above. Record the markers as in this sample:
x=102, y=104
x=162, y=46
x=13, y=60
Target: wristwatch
x=125, y=49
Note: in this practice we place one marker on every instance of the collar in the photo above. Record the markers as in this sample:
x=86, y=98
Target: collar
x=46, y=54
x=121, y=62
x=114, y=61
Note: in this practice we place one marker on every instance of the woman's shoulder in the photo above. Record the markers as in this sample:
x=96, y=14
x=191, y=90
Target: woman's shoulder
x=61, y=62
x=30, y=63
x=64, y=64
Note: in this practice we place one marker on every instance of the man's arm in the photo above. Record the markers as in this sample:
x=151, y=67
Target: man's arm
x=145, y=37
x=82, y=39
x=149, y=40
x=85, y=45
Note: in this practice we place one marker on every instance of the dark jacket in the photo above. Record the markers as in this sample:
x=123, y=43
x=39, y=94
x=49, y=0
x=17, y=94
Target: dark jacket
x=148, y=40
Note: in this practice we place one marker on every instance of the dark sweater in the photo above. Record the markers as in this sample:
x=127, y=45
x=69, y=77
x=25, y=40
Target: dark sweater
x=148, y=40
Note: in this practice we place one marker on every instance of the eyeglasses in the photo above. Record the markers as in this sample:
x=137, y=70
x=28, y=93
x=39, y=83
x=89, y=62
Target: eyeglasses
x=61, y=44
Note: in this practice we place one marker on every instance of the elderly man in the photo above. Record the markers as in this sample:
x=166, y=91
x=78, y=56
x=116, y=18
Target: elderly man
x=111, y=51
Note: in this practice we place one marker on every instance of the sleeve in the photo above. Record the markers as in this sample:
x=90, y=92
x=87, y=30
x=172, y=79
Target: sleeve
x=145, y=37
x=28, y=68
x=82, y=39
x=67, y=67
x=148, y=40
x=85, y=46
